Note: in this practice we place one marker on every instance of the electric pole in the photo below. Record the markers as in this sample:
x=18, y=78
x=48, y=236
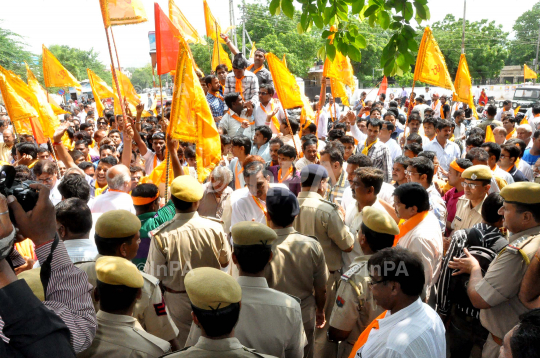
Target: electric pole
x=232, y=21
x=537, y=47
x=244, y=28
x=463, y=29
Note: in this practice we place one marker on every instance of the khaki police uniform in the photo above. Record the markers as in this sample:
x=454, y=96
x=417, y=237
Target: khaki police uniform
x=150, y=310
x=298, y=268
x=355, y=307
x=466, y=216
x=120, y=336
x=321, y=218
x=500, y=288
x=218, y=348
x=178, y=246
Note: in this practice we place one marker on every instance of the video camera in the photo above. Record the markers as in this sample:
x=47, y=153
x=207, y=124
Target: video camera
x=25, y=195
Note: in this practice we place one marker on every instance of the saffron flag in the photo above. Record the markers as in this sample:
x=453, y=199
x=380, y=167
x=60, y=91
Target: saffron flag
x=284, y=61
x=463, y=85
x=167, y=36
x=54, y=74
x=340, y=73
x=191, y=118
x=287, y=89
x=55, y=107
x=528, y=72
x=516, y=111
x=489, y=135
x=128, y=94
x=383, y=87
x=49, y=121
x=187, y=31
x=122, y=12
x=20, y=105
x=430, y=65
x=252, y=52
x=213, y=29
x=220, y=57
x=524, y=121
x=100, y=90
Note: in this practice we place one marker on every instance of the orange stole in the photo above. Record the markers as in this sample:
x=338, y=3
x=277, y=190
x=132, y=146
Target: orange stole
x=365, y=334
x=410, y=224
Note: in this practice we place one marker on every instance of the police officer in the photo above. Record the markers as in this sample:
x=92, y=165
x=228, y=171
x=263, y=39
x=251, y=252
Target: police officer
x=186, y=242
x=270, y=321
x=117, y=234
x=300, y=257
x=355, y=308
x=322, y=219
x=215, y=301
x=496, y=294
x=119, y=285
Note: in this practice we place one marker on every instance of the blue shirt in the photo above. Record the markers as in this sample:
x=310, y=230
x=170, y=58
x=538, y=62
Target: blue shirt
x=446, y=155
x=529, y=158
x=263, y=151
x=217, y=106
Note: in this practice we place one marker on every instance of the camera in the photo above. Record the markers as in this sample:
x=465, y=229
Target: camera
x=25, y=195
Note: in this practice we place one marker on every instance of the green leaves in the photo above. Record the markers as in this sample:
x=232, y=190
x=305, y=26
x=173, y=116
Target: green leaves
x=274, y=7
x=354, y=53
x=330, y=51
x=371, y=10
x=384, y=20
x=288, y=8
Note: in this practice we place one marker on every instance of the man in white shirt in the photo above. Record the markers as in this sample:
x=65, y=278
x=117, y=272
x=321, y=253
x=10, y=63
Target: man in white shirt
x=494, y=151
x=333, y=112
x=420, y=107
x=117, y=197
x=446, y=150
x=507, y=105
x=46, y=173
x=427, y=96
x=436, y=105
x=73, y=224
x=421, y=232
x=233, y=118
x=408, y=328
x=385, y=136
x=268, y=112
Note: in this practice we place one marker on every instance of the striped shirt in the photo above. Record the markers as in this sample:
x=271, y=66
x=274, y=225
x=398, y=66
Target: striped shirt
x=380, y=156
x=250, y=87
x=68, y=295
x=217, y=106
x=335, y=192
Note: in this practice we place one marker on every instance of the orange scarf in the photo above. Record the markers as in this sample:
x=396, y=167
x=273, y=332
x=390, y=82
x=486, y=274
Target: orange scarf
x=365, y=334
x=239, y=119
x=288, y=174
x=510, y=135
x=237, y=176
x=410, y=224
x=368, y=147
x=434, y=104
x=260, y=205
x=99, y=190
x=442, y=112
x=330, y=110
x=238, y=86
x=508, y=170
x=218, y=95
x=274, y=119
x=253, y=65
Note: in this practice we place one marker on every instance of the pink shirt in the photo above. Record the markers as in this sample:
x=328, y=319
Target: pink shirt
x=451, y=198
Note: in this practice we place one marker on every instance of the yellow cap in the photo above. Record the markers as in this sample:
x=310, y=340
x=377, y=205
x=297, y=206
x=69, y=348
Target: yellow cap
x=118, y=271
x=117, y=224
x=379, y=221
x=33, y=280
x=252, y=233
x=524, y=192
x=477, y=172
x=187, y=188
x=210, y=289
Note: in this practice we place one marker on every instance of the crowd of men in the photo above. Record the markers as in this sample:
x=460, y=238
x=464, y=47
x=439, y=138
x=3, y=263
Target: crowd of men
x=388, y=229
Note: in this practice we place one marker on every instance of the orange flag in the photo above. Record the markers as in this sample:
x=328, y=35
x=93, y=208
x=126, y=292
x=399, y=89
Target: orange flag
x=524, y=121
x=489, y=135
x=516, y=111
x=383, y=87
x=100, y=90
x=48, y=119
x=287, y=89
x=122, y=12
x=54, y=74
x=191, y=118
x=528, y=73
x=463, y=85
x=55, y=107
x=340, y=73
x=167, y=36
x=213, y=28
x=21, y=105
x=430, y=65
x=187, y=31
x=222, y=59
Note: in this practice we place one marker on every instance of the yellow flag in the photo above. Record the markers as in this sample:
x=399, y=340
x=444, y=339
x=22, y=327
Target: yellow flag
x=55, y=107
x=128, y=93
x=213, y=28
x=340, y=69
x=54, y=74
x=528, y=73
x=284, y=61
x=191, y=118
x=100, y=90
x=430, y=65
x=20, y=104
x=223, y=56
x=122, y=12
x=489, y=135
x=338, y=90
x=524, y=121
x=287, y=89
x=49, y=121
x=516, y=111
x=252, y=52
x=186, y=29
x=463, y=86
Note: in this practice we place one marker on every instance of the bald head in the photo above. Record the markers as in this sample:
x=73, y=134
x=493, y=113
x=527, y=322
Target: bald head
x=119, y=178
x=9, y=138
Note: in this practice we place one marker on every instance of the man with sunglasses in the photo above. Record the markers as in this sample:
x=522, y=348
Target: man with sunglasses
x=476, y=185
x=268, y=112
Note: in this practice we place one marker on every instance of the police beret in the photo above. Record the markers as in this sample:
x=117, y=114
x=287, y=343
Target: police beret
x=314, y=170
x=210, y=289
x=379, y=221
x=118, y=271
x=477, y=172
x=247, y=233
x=282, y=202
x=187, y=188
x=117, y=224
x=523, y=192
x=33, y=279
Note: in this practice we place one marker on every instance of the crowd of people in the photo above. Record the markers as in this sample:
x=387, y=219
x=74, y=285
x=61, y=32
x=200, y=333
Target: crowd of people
x=391, y=228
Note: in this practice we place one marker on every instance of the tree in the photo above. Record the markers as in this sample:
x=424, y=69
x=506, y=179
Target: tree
x=142, y=77
x=523, y=47
x=343, y=35
x=13, y=53
x=485, y=45
x=203, y=55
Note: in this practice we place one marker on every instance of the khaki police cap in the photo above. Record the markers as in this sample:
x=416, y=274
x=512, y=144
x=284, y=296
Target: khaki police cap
x=117, y=224
x=523, y=192
x=118, y=271
x=248, y=233
x=33, y=279
x=211, y=289
x=379, y=221
x=187, y=188
x=477, y=172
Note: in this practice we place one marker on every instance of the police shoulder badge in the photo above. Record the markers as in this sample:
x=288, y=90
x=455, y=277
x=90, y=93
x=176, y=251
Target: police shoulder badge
x=340, y=301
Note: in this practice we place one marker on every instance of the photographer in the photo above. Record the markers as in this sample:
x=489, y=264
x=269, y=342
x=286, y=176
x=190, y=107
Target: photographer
x=67, y=292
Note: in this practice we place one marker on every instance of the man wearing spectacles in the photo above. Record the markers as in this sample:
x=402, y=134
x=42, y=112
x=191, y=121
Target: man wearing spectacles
x=476, y=185
x=46, y=174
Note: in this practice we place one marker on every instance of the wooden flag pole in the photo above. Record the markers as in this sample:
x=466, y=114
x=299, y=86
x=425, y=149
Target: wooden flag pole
x=217, y=39
x=51, y=147
x=168, y=159
x=115, y=78
x=289, y=125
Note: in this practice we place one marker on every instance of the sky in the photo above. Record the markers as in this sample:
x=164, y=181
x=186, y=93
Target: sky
x=78, y=23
